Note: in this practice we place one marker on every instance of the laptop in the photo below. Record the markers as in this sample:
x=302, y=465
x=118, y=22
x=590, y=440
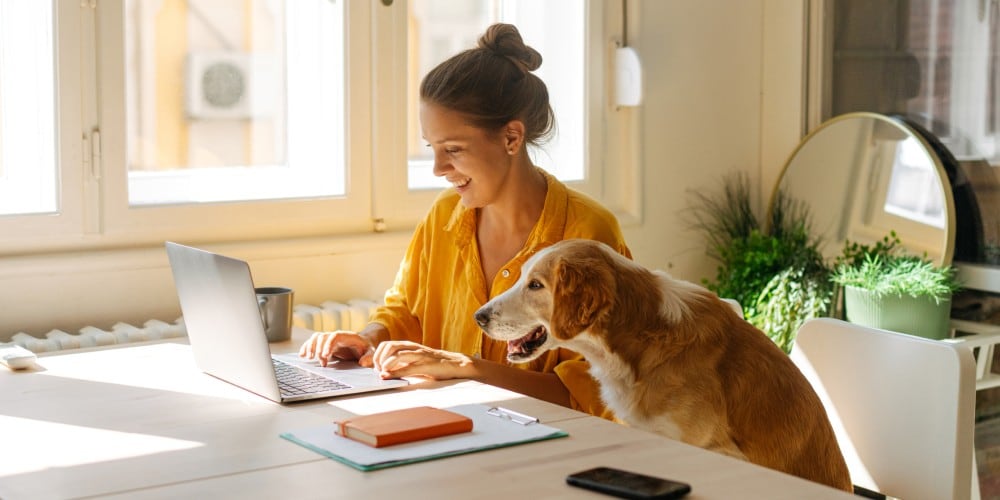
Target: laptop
x=227, y=336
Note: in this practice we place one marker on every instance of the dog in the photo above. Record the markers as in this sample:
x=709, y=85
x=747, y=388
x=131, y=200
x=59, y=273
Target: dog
x=670, y=357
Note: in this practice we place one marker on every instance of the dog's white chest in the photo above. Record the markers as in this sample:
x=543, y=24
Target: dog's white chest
x=617, y=391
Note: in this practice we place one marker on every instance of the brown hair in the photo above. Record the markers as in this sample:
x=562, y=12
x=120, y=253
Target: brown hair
x=493, y=84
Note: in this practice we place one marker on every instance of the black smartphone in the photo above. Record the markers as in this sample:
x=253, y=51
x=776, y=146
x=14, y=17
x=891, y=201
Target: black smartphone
x=625, y=484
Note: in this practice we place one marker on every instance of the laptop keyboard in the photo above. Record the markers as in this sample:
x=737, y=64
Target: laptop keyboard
x=294, y=381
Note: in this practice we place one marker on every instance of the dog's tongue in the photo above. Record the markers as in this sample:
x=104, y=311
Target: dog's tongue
x=516, y=346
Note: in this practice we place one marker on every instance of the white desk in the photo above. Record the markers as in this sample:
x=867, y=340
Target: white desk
x=143, y=422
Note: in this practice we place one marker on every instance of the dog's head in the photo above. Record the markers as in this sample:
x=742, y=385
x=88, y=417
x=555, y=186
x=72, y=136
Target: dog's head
x=563, y=291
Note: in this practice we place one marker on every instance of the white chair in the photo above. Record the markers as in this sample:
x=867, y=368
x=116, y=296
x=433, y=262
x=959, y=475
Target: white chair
x=903, y=407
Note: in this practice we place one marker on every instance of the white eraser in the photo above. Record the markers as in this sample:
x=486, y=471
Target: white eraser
x=16, y=357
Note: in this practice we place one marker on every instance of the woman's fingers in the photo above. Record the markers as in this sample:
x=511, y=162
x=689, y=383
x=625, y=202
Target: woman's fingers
x=387, y=350
x=309, y=347
x=326, y=346
x=392, y=359
x=366, y=359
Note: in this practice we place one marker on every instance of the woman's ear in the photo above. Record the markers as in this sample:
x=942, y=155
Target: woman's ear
x=513, y=136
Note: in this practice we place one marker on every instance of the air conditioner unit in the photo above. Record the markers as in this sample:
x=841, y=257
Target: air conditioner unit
x=230, y=85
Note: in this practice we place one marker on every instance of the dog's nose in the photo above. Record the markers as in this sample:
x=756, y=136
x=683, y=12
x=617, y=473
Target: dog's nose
x=482, y=317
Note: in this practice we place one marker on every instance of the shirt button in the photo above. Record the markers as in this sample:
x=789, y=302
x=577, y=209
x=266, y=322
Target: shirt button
x=505, y=273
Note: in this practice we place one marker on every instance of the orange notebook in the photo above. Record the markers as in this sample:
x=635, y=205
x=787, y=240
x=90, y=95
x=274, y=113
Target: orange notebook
x=403, y=426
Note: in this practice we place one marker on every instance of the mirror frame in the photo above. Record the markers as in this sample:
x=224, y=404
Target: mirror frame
x=948, y=252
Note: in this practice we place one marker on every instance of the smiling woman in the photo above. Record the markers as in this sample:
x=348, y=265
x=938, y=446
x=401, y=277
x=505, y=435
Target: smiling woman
x=479, y=111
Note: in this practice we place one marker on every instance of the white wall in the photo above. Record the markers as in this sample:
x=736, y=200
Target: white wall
x=722, y=84
x=710, y=67
x=39, y=292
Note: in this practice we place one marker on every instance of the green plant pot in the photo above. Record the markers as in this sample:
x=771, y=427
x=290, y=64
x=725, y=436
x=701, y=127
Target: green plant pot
x=920, y=316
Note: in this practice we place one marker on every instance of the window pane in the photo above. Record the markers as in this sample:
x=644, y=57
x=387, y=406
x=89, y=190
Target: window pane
x=937, y=61
x=28, y=182
x=234, y=100
x=555, y=28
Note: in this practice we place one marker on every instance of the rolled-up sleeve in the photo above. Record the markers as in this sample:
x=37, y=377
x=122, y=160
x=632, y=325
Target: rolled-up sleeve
x=397, y=315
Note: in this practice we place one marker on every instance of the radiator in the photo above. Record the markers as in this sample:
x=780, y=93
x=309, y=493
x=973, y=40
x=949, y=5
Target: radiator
x=328, y=316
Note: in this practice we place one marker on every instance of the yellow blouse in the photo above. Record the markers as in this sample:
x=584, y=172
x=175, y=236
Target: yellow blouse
x=440, y=283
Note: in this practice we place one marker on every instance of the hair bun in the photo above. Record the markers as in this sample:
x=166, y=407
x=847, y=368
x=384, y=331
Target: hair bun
x=505, y=40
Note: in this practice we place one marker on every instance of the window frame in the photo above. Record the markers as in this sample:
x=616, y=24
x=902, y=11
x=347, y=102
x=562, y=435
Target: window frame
x=92, y=188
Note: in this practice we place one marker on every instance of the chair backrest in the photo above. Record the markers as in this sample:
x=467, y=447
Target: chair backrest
x=903, y=407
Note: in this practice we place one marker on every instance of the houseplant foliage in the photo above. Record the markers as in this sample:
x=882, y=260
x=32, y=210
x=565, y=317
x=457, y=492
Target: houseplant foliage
x=885, y=288
x=775, y=272
x=789, y=299
x=899, y=275
x=781, y=279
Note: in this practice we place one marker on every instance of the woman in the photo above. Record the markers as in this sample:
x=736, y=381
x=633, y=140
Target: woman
x=479, y=111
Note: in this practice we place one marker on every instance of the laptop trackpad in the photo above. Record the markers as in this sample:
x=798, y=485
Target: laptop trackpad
x=348, y=372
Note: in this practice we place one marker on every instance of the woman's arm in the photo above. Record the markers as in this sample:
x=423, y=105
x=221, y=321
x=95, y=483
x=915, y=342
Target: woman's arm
x=544, y=386
x=375, y=333
x=395, y=359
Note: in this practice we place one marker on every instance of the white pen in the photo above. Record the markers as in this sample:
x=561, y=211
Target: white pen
x=518, y=417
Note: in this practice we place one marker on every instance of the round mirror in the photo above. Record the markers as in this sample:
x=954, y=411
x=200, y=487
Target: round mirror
x=861, y=176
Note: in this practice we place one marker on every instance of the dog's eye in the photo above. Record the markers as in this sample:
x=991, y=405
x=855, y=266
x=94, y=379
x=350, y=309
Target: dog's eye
x=535, y=285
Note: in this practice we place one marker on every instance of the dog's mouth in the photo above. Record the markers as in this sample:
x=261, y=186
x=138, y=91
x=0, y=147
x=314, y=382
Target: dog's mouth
x=524, y=347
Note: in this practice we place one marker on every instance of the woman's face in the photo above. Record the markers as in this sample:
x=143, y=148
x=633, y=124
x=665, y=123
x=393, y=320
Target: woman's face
x=476, y=162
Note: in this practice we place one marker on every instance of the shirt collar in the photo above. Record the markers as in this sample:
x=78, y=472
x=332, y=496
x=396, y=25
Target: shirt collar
x=551, y=225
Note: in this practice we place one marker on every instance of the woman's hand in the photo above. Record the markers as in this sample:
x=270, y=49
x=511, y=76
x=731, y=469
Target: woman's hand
x=395, y=359
x=341, y=344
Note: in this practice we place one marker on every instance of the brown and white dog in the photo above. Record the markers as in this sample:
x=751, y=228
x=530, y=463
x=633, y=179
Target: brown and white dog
x=670, y=357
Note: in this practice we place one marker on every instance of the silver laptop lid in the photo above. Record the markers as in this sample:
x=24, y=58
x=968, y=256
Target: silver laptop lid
x=222, y=318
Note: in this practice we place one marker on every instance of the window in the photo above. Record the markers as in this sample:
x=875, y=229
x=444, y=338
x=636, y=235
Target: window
x=937, y=61
x=234, y=102
x=212, y=120
x=27, y=109
x=223, y=120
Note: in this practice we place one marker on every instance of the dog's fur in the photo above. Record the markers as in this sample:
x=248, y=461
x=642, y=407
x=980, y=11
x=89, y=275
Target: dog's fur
x=670, y=357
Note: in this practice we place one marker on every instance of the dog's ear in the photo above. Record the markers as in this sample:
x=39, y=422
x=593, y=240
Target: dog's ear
x=583, y=291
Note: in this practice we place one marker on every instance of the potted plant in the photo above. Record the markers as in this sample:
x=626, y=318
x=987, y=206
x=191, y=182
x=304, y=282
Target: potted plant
x=886, y=289
x=774, y=270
